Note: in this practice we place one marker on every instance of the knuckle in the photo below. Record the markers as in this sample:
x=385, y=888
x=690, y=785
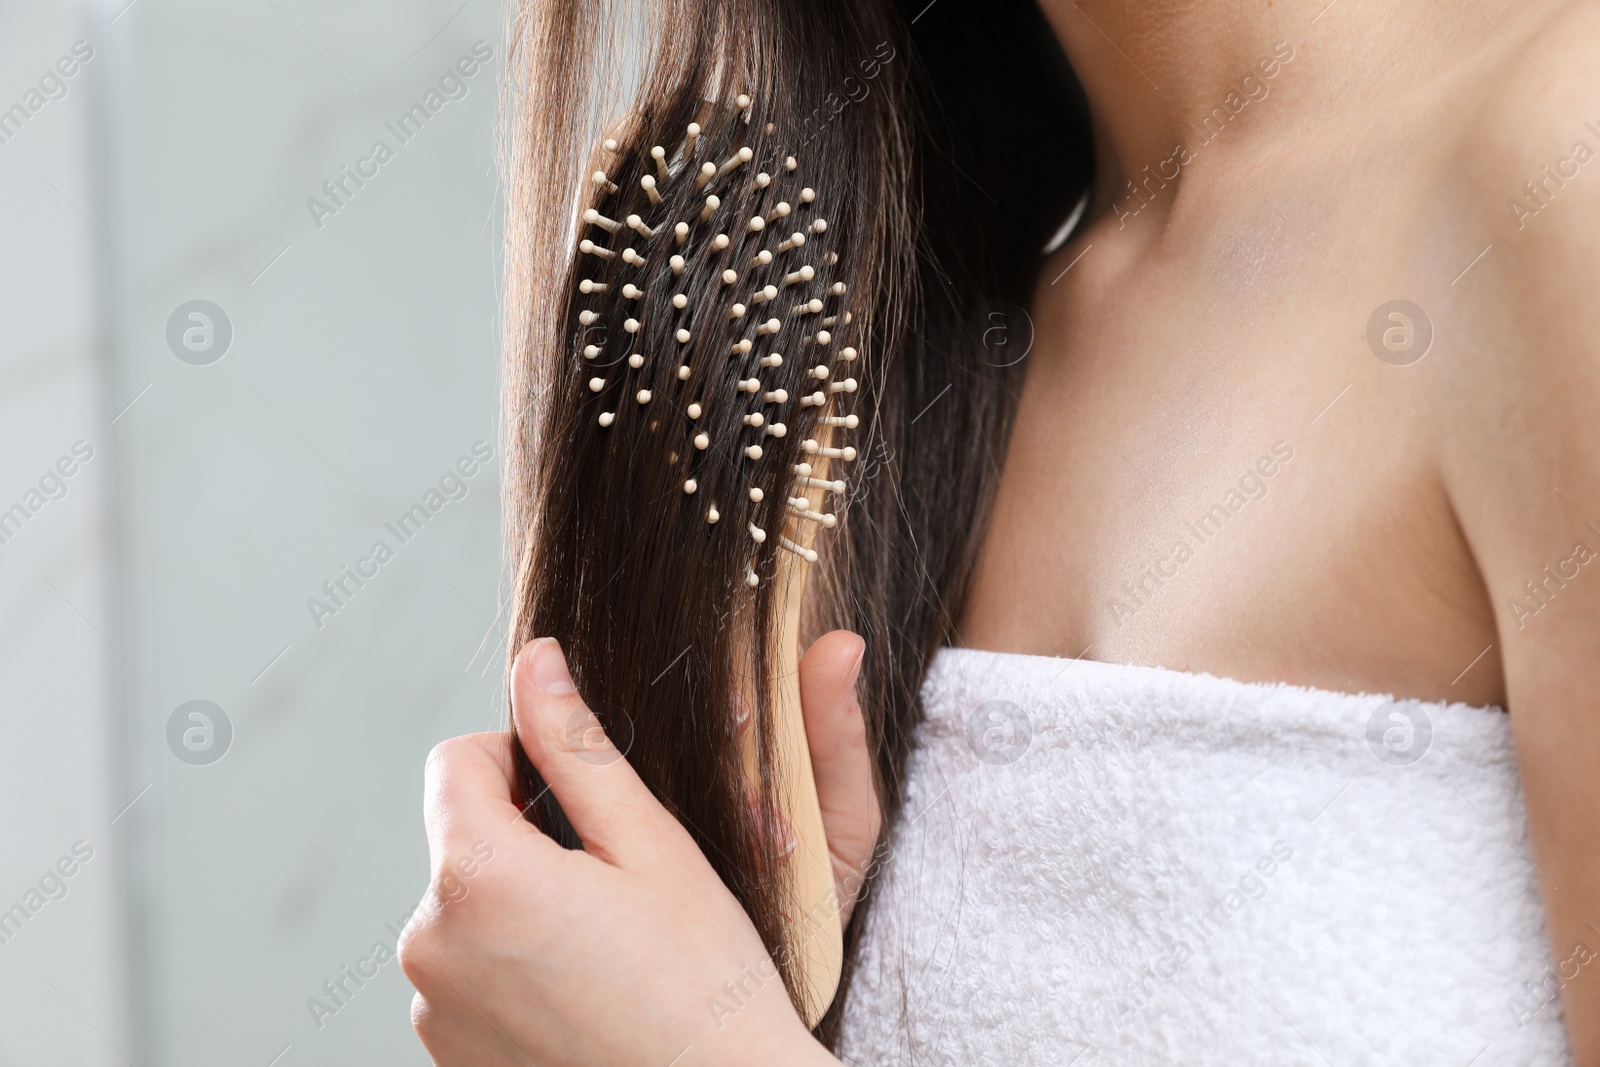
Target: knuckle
x=569, y=728
x=424, y=1019
x=444, y=754
x=420, y=947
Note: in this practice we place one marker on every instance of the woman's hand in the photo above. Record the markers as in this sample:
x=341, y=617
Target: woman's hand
x=631, y=951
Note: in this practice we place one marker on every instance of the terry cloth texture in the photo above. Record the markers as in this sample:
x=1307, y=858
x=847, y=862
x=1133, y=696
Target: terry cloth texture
x=1112, y=865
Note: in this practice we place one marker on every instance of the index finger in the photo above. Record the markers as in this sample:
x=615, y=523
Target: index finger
x=468, y=785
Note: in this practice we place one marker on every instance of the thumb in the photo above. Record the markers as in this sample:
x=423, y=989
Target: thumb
x=614, y=813
x=836, y=733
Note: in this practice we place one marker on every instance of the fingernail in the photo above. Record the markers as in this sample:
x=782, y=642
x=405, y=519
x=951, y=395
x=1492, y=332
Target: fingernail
x=549, y=668
x=855, y=668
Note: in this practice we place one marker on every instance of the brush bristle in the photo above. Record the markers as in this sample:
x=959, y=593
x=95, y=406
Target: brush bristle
x=708, y=310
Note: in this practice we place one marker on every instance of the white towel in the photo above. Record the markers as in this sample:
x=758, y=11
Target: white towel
x=1111, y=865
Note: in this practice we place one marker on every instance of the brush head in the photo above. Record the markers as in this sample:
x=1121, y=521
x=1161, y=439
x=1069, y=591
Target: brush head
x=709, y=321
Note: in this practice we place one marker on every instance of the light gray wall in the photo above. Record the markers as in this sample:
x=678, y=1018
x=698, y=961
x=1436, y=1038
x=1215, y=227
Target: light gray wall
x=62, y=988
x=361, y=369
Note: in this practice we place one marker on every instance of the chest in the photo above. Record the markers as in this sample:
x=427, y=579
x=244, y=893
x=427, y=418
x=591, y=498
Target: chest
x=1213, y=469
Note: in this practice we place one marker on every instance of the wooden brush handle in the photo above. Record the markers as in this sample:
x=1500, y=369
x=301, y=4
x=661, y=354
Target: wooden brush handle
x=814, y=936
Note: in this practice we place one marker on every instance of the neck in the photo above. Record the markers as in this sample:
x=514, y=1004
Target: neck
x=1160, y=73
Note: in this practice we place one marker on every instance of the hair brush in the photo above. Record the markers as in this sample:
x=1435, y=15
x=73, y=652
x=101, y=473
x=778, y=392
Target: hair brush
x=703, y=393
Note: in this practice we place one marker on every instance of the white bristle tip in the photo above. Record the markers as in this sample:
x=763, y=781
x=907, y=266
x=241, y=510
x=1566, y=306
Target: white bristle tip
x=755, y=418
x=702, y=442
x=690, y=486
x=756, y=494
x=607, y=418
x=807, y=195
x=636, y=361
x=742, y=101
x=632, y=292
x=642, y=396
x=683, y=373
x=596, y=384
x=680, y=301
x=753, y=452
x=682, y=336
x=609, y=145
x=695, y=410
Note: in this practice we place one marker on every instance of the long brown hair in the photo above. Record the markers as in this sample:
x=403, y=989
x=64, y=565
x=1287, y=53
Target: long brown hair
x=947, y=142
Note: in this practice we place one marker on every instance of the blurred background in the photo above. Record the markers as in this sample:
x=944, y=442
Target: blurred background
x=248, y=512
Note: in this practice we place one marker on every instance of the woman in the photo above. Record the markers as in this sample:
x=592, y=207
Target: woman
x=1299, y=411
